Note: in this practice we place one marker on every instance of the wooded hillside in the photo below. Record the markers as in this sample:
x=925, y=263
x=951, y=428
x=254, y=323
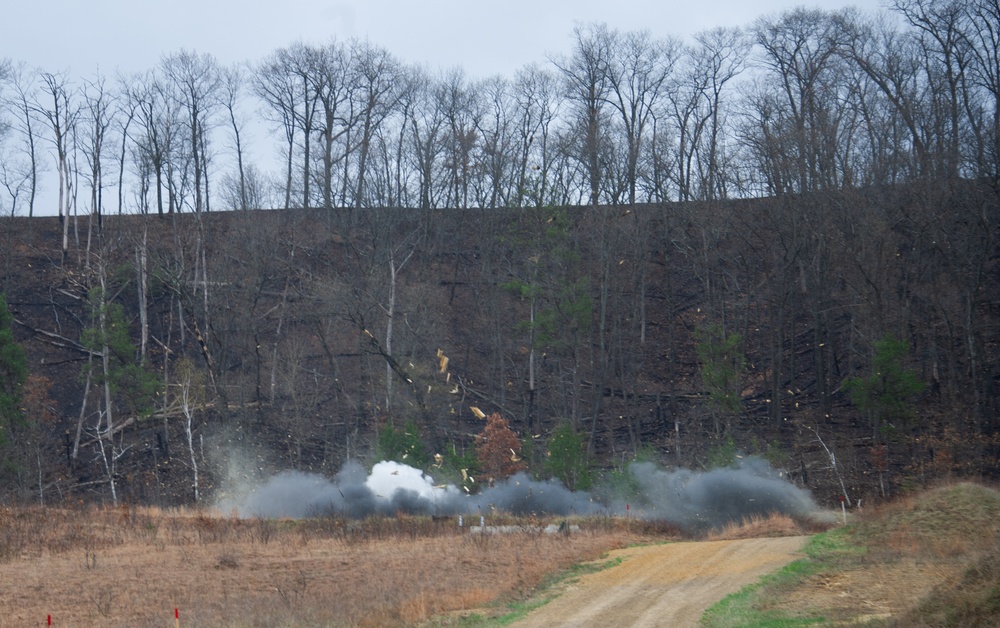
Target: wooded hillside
x=295, y=336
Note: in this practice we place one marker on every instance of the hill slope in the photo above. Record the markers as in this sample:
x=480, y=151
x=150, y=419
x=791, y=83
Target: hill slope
x=298, y=335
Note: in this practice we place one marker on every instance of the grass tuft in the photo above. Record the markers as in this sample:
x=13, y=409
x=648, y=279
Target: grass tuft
x=758, y=526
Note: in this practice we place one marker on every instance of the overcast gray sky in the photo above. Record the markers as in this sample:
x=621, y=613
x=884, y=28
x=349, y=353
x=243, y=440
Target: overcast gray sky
x=483, y=36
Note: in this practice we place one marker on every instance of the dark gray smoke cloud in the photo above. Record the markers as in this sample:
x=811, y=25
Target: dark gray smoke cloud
x=701, y=500
x=392, y=487
x=693, y=500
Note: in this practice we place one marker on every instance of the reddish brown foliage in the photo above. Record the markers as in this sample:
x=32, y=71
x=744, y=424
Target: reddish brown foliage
x=498, y=450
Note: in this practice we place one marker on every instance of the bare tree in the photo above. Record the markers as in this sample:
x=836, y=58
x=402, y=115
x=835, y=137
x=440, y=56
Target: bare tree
x=330, y=82
x=233, y=83
x=495, y=129
x=196, y=84
x=127, y=113
x=5, y=77
x=720, y=57
x=102, y=332
x=799, y=50
x=397, y=257
x=286, y=81
x=377, y=78
x=98, y=115
x=537, y=108
x=586, y=74
x=16, y=173
x=887, y=93
x=62, y=116
x=192, y=391
x=280, y=94
x=638, y=70
x=22, y=104
x=460, y=106
x=155, y=138
x=390, y=179
x=427, y=137
x=983, y=40
x=941, y=30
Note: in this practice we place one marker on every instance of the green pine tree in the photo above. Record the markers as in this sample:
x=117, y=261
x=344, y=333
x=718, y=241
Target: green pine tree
x=13, y=374
x=567, y=458
x=723, y=364
x=886, y=395
x=402, y=445
x=133, y=387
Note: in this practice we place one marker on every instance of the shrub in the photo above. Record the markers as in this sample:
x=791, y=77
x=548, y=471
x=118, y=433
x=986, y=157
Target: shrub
x=402, y=445
x=722, y=455
x=498, y=449
x=567, y=460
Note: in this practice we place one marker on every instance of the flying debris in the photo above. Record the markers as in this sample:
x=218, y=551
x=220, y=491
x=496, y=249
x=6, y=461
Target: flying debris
x=476, y=411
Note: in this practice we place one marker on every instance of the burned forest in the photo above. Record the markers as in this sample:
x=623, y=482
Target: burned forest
x=165, y=348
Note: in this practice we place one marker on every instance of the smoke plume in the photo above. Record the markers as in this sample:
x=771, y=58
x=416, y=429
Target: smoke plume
x=393, y=487
x=700, y=500
x=692, y=500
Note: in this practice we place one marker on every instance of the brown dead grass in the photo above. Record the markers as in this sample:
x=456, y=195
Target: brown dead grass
x=133, y=566
x=949, y=522
x=909, y=570
x=758, y=526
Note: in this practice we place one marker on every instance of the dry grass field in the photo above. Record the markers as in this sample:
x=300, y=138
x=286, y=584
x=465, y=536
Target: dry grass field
x=134, y=566
x=928, y=559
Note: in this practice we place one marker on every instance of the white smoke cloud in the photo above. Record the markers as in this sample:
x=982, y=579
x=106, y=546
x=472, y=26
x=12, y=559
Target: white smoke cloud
x=388, y=477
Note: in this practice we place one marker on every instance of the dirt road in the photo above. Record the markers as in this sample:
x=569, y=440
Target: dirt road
x=665, y=585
